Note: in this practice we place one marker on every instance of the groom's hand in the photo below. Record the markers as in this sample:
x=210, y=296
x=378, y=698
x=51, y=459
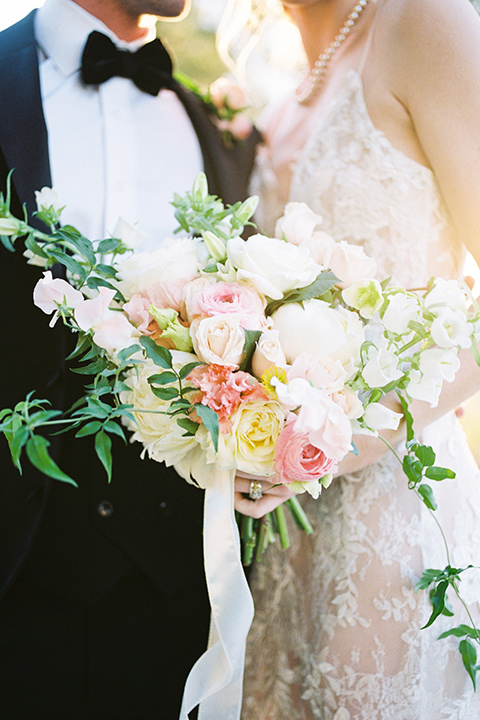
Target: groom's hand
x=273, y=494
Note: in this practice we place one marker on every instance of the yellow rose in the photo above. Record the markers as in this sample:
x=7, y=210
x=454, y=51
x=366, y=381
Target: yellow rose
x=250, y=445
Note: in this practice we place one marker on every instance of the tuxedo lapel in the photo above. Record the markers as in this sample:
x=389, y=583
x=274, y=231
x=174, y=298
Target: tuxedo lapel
x=23, y=133
x=227, y=168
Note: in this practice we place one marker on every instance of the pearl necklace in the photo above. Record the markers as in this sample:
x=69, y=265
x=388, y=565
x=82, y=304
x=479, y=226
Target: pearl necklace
x=311, y=84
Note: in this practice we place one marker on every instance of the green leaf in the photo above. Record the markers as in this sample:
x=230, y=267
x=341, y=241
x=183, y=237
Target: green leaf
x=459, y=631
x=437, y=599
x=210, y=268
x=37, y=453
x=103, y=448
x=425, y=454
x=412, y=469
x=251, y=337
x=439, y=473
x=469, y=657
x=164, y=378
x=72, y=265
x=426, y=493
x=16, y=442
x=89, y=429
x=187, y=369
x=92, y=368
x=165, y=393
x=158, y=354
x=114, y=428
x=127, y=352
x=189, y=425
x=319, y=287
x=408, y=417
x=108, y=245
x=430, y=575
x=210, y=420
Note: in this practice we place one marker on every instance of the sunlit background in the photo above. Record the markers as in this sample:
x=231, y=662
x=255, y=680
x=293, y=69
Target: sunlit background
x=193, y=42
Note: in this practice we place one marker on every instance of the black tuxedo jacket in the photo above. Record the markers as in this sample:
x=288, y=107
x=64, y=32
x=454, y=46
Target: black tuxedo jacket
x=81, y=541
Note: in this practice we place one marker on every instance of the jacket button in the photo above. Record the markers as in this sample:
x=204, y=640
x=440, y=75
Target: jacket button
x=164, y=508
x=105, y=509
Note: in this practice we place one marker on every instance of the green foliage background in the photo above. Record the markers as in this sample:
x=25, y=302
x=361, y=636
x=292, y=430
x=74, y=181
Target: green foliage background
x=192, y=48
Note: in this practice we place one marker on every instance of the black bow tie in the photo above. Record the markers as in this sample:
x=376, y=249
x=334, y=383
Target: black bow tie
x=150, y=67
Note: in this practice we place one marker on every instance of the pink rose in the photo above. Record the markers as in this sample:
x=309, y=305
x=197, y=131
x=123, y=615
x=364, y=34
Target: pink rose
x=221, y=298
x=225, y=93
x=297, y=460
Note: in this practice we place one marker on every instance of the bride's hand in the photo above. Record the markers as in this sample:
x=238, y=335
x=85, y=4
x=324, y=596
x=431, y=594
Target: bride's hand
x=273, y=494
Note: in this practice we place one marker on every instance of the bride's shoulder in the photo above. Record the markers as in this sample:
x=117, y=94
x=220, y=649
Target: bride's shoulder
x=429, y=36
x=429, y=23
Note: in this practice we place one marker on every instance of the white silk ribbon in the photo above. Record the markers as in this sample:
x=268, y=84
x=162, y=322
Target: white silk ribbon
x=215, y=681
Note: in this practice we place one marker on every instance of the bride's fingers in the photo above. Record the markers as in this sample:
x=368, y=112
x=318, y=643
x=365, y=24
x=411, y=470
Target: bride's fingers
x=242, y=485
x=258, y=508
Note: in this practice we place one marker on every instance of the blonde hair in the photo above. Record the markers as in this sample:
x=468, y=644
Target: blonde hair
x=261, y=47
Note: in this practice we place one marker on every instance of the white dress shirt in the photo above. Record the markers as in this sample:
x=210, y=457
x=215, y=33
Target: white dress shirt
x=115, y=151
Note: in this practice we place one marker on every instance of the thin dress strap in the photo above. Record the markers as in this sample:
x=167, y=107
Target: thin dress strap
x=380, y=4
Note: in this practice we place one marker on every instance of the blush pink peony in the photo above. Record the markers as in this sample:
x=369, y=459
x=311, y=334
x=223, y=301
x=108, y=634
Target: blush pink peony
x=220, y=298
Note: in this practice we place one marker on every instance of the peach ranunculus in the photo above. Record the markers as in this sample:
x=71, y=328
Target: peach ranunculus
x=219, y=339
x=221, y=297
x=223, y=390
x=297, y=460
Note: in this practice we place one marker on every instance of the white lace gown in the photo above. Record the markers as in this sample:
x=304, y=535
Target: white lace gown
x=336, y=634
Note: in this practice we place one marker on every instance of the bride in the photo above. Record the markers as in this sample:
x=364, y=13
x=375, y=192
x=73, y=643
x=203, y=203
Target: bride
x=382, y=140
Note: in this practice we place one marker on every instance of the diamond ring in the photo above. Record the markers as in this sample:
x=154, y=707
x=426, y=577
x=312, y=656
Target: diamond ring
x=255, y=490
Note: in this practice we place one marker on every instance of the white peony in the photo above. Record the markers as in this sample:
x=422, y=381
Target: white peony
x=320, y=330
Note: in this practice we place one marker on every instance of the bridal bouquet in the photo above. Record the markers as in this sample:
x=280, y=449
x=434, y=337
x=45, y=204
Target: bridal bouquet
x=265, y=355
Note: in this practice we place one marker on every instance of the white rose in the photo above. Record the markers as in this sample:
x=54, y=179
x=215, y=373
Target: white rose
x=175, y=258
x=273, y=266
x=401, y=310
x=348, y=401
x=349, y=263
x=297, y=223
x=219, y=339
x=318, y=329
x=267, y=353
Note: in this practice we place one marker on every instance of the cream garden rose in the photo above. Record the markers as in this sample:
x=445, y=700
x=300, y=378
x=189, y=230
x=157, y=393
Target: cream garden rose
x=250, y=445
x=219, y=339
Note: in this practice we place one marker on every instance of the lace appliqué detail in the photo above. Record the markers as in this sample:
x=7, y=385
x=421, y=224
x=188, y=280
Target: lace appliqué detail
x=336, y=634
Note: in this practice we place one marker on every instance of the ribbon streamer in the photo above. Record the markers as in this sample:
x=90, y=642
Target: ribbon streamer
x=215, y=681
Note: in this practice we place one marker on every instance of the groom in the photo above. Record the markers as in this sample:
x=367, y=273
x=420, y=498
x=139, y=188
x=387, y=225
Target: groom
x=104, y=607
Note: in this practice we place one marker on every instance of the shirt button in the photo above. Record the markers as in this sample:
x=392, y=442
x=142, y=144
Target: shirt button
x=105, y=509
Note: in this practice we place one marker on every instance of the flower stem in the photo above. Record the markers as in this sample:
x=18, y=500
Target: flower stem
x=282, y=527
x=299, y=515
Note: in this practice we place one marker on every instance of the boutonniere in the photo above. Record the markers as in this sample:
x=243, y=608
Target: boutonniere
x=226, y=103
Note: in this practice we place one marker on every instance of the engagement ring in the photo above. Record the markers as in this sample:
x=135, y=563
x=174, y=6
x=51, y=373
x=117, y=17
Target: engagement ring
x=255, y=490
